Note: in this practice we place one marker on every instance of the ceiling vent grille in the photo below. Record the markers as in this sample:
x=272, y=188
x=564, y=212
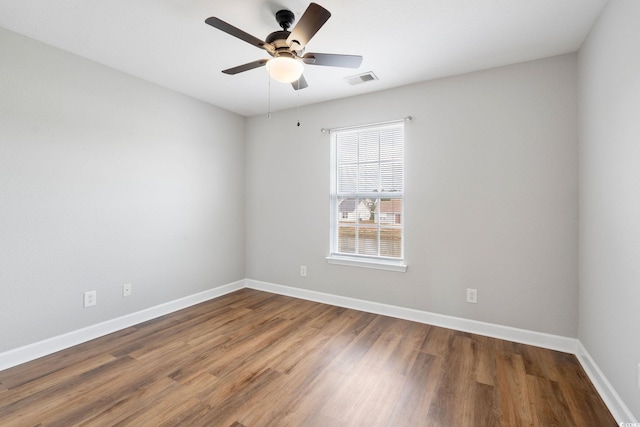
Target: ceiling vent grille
x=361, y=78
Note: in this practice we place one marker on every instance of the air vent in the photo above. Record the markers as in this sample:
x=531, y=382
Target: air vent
x=361, y=78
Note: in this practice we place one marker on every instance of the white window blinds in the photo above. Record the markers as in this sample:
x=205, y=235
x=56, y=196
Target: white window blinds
x=367, y=204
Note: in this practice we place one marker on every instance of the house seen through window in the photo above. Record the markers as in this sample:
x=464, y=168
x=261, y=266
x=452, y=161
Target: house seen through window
x=367, y=194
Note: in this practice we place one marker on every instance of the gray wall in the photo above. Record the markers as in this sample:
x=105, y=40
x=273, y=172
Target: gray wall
x=609, y=69
x=104, y=180
x=491, y=196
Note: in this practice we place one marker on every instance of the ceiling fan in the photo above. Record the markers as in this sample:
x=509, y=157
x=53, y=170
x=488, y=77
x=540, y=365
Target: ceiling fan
x=287, y=47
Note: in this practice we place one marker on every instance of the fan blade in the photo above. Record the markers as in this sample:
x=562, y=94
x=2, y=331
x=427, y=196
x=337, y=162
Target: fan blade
x=332, y=60
x=236, y=32
x=301, y=83
x=246, y=67
x=311, y=21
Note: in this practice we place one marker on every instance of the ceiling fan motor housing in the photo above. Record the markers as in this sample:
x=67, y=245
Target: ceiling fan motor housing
x=278, y=39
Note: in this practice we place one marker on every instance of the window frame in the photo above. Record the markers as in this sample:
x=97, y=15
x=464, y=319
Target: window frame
x=358, y=260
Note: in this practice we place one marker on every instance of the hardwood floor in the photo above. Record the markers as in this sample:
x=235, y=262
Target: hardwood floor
x=252, y=358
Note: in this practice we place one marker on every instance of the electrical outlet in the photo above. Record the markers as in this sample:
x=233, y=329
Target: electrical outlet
x=89, y=298
x=127, y=289
x=472, y=296
x=303, y=270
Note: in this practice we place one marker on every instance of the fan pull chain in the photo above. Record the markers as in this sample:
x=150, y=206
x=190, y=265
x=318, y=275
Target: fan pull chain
x=298, y=95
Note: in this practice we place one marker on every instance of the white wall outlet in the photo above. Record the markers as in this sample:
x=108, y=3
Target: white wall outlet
x=89, y=298
x=472, y=296
x=127, y=289
x=303, y=270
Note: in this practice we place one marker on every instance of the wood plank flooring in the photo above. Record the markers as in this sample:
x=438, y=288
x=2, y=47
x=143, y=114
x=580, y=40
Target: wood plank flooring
x=252, y=358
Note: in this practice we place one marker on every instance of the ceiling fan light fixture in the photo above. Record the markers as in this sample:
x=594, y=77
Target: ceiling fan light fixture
x=285, y=69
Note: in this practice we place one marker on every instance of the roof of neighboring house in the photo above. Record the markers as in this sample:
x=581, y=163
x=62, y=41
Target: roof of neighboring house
x=347, y=205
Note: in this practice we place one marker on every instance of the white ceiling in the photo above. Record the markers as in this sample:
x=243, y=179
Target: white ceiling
x=402, y=42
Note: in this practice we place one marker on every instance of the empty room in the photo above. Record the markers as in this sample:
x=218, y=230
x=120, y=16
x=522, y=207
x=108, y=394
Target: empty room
x=283, y=213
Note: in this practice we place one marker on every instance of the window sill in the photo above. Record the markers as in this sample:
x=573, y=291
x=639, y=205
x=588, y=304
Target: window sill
x=379, y=264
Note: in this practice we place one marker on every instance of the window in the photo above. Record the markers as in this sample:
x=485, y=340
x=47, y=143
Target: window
x=367, y=196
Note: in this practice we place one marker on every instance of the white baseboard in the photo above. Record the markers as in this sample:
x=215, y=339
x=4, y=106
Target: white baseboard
x=39, y=349
x=539, y=339
x=618, y=409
